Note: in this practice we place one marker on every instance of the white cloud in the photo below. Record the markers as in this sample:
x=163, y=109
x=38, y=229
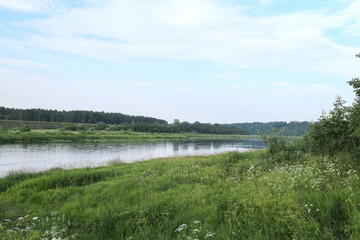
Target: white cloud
x=19, y=63
x=352, y=17
x=206, y=30
x=32, y=6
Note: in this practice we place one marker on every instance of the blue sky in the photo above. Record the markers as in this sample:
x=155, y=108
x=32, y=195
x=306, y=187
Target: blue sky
x=195, y=60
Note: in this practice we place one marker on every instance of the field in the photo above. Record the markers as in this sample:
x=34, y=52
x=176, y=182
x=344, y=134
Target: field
x=226, y=196
x=16, y=136
x=10, y=124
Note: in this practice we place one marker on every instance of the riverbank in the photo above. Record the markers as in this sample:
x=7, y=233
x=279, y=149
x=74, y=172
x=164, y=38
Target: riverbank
x=16, y=136
x=226, y=196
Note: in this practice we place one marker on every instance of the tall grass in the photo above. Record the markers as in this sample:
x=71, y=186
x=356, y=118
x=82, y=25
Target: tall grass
x=14, y=136
x=226, y=196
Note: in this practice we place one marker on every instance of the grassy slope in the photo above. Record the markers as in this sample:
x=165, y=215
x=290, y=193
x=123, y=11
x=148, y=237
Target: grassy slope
x=227, y=196
x=9, y=124
x=15, y=136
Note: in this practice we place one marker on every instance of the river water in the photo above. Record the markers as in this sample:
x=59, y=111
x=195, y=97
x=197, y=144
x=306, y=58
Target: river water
x=40, y=157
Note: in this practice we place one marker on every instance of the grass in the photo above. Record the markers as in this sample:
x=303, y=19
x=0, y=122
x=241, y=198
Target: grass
x=15, y=136
x=9, y=124
x=226, y=196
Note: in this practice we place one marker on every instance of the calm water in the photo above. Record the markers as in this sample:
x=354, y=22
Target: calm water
x=39, y=157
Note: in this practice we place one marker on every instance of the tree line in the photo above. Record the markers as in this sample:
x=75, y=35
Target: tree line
x=77, y=120
x=176, y=127
x=293, y=128
x=76, y=116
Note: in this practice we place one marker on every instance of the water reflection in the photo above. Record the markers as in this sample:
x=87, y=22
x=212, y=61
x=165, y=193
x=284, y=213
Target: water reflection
x=38, y=157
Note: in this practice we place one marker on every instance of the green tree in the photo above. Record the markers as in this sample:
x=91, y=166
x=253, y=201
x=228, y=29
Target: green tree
x=331, y=134
x=25, y=128
x=100, y=126
x=339, y=130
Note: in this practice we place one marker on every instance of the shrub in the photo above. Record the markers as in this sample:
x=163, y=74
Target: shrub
x=81, y=127
x=100, y=126
x=113, y=128
x=25, y=128
x=275, y=142
x=70, y=127
x=280, y=148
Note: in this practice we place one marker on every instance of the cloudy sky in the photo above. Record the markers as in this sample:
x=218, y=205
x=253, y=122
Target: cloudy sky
x=194, y=60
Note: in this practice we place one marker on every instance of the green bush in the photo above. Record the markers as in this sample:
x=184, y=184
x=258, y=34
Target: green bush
x=81, y=127
x=338, y=132
x=70, y=127
x=101, y=126
x=25, y=128
x=113, y=128
x=275, y=142
x=280, y=148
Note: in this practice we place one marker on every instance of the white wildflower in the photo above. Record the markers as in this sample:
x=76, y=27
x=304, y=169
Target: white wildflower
x=210, y=234
x=181, y=227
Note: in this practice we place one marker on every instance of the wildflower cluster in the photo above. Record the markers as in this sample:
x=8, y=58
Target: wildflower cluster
x=193, y=231
x=53, y=227
x=310, y=208
x=310, y=176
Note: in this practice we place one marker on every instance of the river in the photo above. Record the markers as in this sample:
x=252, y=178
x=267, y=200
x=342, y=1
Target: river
x=40, y=157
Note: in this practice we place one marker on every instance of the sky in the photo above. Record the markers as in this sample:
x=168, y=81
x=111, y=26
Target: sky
x=214, y=61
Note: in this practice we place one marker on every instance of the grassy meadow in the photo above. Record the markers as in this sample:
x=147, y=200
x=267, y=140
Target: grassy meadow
x=229, y=196
x=13, y=124
x=34, y=136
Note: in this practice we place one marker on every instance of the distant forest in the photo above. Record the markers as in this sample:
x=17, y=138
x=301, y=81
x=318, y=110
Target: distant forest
x=178, y=127
x=77, y=120
x=73, y=116
x=293, y=128
x=146, y=124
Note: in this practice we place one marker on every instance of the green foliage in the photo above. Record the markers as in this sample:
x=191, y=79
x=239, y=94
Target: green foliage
x=331, y=134
x=101, y=126
x=70, y=127
x=24, y=128
x=275, y=142
x=280, y=148
x=73, y=116
x=288, y=129
x=75, y=127
x=338, y=131
x=355, y=84
x=81, y=127
x=94, y=135
x=113, y=128
x=3, y=128
x=178, y=127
